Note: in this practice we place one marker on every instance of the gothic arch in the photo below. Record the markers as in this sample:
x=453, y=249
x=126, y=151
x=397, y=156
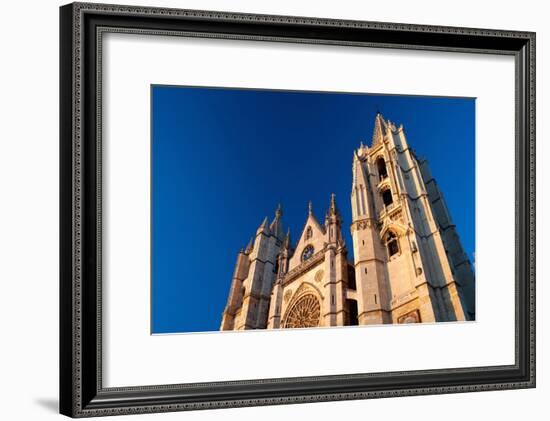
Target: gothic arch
x=304, y=288
x=391, y=241
x=398, y=229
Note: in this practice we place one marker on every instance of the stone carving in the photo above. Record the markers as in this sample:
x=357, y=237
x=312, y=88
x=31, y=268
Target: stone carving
x=412, y=317
x=288, y=294
x=362, y=224
x=396, y=216
x=305, y=312
x=319, y=275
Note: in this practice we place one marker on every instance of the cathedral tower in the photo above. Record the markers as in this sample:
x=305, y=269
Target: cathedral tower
x=255, y=270
x=409, y=264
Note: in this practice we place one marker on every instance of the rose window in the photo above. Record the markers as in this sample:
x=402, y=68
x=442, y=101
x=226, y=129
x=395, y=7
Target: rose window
x=305, y=313
x=307, y=253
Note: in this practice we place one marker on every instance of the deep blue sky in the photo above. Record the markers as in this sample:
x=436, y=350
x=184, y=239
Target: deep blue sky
x=222, y=159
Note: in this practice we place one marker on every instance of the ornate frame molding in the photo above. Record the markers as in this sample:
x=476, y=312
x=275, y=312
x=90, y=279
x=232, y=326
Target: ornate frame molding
x=81, y=391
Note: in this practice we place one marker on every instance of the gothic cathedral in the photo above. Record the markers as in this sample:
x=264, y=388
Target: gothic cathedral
x=409, y=265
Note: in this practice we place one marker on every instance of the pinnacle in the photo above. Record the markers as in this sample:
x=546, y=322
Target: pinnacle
x=276, y=226
x=279, y=211
x=264, y=223
x=250, y=246
x=264, y=227
x=333, y=207
x=333, y=201
x=287, y=242
x=378, y=133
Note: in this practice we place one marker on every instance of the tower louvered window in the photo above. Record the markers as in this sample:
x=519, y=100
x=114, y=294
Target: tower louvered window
x=392, y=244
x=381, y=167
x=387, y=197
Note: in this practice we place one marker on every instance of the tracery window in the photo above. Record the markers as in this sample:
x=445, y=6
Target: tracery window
x=306, y=312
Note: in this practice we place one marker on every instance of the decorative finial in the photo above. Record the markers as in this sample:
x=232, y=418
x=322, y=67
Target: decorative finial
x=310, y=207
x=333, y=210
x=286, y=243
x=250, y=246
x=362, y=151
x=279, y=211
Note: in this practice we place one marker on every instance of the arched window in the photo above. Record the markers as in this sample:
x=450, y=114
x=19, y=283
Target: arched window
x=381, y=167
x=387, y=197
x=392, y=244
x=309, y=233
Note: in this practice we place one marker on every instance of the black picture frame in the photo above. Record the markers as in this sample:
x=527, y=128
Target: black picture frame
x=81, y=390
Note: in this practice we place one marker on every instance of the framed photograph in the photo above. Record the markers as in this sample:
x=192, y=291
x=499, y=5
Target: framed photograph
x=261, y=210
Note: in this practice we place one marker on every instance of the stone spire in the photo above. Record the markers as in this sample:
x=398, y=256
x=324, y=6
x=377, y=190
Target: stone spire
x=379, y=129
x=250, y=246
x=287, y=243
x=333, y=214
x=333, y=210
x=276, y=226
x=284, y=255
x=333, y=221
x=264, y=227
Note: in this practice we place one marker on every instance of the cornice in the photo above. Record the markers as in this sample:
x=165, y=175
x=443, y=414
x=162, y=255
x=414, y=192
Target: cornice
x=304, y=267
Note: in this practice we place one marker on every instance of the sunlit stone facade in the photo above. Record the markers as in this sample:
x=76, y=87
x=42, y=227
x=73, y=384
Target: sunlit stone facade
x=408, y=267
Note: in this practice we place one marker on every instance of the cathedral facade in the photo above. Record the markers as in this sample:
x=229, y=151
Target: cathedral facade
x=408, y=266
